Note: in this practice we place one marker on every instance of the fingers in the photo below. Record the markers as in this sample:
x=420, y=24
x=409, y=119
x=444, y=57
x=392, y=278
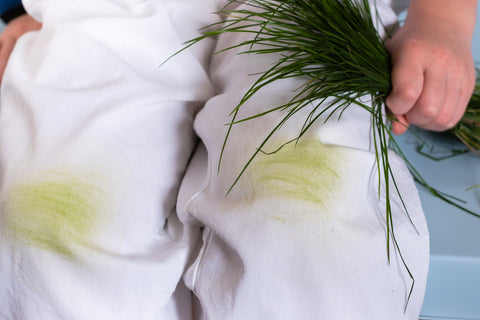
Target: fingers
x=433, y=74
x=400, y=126
x=432, y=96
x=407, y=85
x=430, y=110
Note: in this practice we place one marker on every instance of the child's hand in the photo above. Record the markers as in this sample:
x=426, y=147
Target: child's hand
x=14, y=30
x=433, y=73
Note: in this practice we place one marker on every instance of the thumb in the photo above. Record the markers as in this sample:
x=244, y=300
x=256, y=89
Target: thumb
x=400, y=126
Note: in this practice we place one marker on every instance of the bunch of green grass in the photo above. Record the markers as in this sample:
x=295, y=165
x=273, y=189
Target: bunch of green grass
x=468, y=129
x=335, y=46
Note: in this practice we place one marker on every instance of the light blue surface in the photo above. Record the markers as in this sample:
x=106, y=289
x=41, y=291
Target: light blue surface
x=453, y=287
x=455, y=293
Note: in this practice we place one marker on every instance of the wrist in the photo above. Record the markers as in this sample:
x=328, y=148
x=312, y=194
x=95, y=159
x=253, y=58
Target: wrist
x=459, y=15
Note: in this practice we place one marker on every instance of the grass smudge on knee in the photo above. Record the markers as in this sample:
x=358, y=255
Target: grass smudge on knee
x=306, y=171
x=55, y=211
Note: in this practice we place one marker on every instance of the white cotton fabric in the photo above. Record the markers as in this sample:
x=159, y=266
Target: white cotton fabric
x=302, y=235
x=86, y=102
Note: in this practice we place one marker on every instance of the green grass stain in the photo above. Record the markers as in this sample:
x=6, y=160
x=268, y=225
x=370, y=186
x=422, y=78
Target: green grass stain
x=55, y=212
x=306, y=171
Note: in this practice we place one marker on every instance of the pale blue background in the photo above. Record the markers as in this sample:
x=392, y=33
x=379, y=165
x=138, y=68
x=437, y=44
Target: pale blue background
x=453, y=290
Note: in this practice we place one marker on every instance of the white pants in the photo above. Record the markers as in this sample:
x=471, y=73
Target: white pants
x=94, y=140
x=302, y=235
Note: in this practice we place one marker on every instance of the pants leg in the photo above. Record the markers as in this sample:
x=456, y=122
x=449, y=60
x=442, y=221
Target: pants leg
x=94, y=139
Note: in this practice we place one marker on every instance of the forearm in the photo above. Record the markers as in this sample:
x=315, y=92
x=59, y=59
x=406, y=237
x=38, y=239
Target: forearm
x=457, y=14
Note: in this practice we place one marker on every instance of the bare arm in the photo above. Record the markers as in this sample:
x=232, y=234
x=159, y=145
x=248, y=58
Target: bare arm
x=14, y=30
x=433, y=73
